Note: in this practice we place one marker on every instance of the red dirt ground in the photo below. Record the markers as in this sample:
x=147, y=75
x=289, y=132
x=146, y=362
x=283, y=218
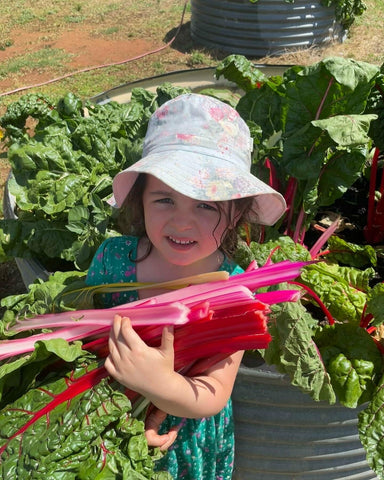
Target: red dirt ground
x=87, y=51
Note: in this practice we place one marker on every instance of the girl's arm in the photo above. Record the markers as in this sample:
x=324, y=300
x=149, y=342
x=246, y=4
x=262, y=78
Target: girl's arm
x=150, y=372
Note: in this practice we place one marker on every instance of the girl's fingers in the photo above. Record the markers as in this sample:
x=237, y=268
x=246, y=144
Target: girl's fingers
x=122, y=331
x=156, y=440
x=131, y=361
x=162, y=441
x=128, y=335
x=116, y=326
x=110, y=366
x=152, y=425
x=167, y=339
x=116, y=342
x=172, y=435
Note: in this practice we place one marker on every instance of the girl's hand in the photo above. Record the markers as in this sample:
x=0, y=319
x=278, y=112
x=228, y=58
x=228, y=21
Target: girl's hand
x=150, y=372
x=146, y=370
x=152, y=425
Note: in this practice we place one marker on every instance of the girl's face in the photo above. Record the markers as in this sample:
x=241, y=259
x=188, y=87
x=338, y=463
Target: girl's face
x=182, y=230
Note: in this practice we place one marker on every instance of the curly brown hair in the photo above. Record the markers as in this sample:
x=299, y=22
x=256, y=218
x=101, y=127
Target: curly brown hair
x=131, y=217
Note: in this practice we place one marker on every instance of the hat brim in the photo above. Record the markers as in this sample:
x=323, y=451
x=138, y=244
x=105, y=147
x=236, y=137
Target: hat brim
x=193, y=175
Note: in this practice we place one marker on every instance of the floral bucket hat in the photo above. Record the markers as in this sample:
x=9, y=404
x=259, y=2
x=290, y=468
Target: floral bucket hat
x=201, y=147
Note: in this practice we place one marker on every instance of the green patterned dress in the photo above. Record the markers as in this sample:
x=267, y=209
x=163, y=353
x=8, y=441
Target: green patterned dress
x=204, y=448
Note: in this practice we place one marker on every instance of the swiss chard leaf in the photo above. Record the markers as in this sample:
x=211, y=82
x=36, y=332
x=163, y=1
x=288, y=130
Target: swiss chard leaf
x=95, y=438
x=339, y=289
x=375, y=304
x=371, y=430
x=283, y=248
x=328, y=88
x=19, y=375
x=39, y=298
x=68, y=164
x=342, y=170
x=350, y=253
x=353, y=361
x=263, y=107
x=241, y=71
x=30, y=105
x=318, y=114
x=294, y=352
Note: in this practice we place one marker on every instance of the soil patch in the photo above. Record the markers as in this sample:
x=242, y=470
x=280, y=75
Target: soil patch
x=83, y=48
x=87, y=48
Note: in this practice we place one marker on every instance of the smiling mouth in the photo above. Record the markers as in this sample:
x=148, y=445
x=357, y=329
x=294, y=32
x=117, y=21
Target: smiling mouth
x=179, y=241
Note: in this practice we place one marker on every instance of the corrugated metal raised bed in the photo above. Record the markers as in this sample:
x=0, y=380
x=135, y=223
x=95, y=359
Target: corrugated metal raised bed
x=268, y=27
x=281, y=433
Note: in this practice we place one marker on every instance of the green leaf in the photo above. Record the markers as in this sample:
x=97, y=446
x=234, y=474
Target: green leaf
x=70, y=106
x=93, y=439
x=30, y=105
x=343, y=168
x=332, y=284
x=283, y=248
x=61, y=348
x=319, y=115
x=241, y=71
x=68, y=163
x=351, y=253
x=50, y=237
x=375, y=304
x=224, y=95
x=167, y=91
x=371, y=430
x=352, y=360
x=333, y=86
x=294, y=353
x=17, y=376
x=347, y=130
x=263, y=107
x=39, y=299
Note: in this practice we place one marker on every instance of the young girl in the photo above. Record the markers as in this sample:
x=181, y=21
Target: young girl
x=181, y=204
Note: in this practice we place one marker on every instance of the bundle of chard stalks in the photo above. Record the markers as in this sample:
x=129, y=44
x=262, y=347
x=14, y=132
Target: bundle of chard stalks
x=62, y=415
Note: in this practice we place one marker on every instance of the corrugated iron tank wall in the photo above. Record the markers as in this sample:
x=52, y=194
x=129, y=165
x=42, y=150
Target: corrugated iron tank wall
x=267, y=27
x=282, y=434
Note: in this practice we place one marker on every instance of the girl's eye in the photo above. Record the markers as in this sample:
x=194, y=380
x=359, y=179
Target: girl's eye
x=208, y=206
x=164, y=200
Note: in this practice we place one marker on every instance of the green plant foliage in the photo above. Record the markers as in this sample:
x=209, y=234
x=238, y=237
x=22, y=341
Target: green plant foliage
x=62, y=176
x=346, y=11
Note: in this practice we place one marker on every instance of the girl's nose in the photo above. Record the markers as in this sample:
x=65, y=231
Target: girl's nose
x=182, y=219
